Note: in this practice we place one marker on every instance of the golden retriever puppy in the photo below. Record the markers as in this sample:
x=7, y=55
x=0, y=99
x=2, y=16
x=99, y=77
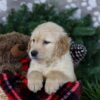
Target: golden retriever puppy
x=50, y=58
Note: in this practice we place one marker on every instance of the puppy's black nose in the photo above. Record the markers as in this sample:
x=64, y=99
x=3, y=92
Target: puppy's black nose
x=34, y=53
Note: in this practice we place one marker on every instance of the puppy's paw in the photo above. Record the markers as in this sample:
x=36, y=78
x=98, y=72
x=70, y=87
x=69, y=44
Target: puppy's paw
x=35, y=81
x=54, y=81
x=52, y=86
x=35, y=85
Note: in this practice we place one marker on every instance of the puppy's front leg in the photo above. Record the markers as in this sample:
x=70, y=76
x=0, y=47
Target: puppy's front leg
x=35, y=81
x=54, y=80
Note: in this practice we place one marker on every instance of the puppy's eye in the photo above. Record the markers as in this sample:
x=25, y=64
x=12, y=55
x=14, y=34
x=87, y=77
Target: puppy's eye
x=33, y=40
x=46, y=42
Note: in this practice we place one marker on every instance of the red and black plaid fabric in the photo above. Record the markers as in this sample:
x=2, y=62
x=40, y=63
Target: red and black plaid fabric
x=15, y=87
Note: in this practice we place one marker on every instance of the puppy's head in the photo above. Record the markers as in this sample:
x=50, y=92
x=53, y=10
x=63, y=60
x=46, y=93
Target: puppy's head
x=48, y=41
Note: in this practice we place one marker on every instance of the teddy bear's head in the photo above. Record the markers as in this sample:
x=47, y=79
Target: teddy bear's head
x=13, y=44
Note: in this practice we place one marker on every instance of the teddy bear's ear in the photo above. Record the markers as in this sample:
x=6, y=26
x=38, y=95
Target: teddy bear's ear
x=62, y=46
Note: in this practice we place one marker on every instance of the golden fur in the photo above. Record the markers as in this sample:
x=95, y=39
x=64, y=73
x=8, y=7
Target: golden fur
x=53, y=60
x=61, y=47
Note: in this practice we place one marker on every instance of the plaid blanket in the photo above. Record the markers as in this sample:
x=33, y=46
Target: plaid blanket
x=15, y=87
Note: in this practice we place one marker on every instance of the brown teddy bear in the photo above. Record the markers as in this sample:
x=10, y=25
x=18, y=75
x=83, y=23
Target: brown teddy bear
x=13, y=47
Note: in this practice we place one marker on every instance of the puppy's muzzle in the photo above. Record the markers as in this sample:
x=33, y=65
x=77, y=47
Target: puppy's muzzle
x=34, y=53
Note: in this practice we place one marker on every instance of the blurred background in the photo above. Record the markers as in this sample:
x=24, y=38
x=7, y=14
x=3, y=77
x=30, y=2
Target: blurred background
x=85, y=6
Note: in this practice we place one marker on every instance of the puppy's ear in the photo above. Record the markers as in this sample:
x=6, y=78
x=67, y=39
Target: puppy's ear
x=62, y=46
